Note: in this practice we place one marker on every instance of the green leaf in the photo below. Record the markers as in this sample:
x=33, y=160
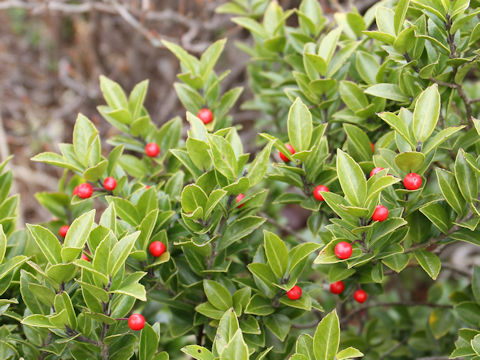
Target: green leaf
x=440, y=322
x=84, y=134
x=193, y=197
x=466, y=177
x=137, y=98
x=120, y=252
x=387, y=91
x=439, y=138
x=46, y=241
x=429, y=262
x=359, y=142
x=468, y=312
x=450, y=191
x=56, y=160
x=367, y=67
x=277, y=254
x=352, y=95
x=438, y=215
x=236, y=348
x=224, y=158
x=400, y=13
x=348, y=353
x=327, y=337
x=77, y=235
x=113, y=93
x=217, y=295
x=299, y=126
x=328, y=45
x=259, y=305
x=476, y=283
x=251, y=25
x=226, y=329
x=352, y=179
x=239, y=229
x=398, y=124
x=36, y=320
x=210, y=57
x=190, y=99
x=198, y=352
x=475, y=342
x=189, y=61
x=279, y=325
x=258, y=167
x=3, y=244
x=425, y=115
x=410, y=161
x=148, y=343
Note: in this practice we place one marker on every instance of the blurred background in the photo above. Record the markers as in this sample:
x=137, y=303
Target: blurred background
x=53, y=51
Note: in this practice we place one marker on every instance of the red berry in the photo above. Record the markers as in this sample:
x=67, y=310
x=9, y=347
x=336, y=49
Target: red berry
x=375, y=170
x=337, y=287
x=240, y=197
x=75, y=190
x=63, y=230
x=136, y=322
x=295, y=293
x=372, y=147
x=412, y=181
x=85, y=257
x=317, y=192
x=289, y=148
x=380, y=213
x=360, y=296
x=343, y=250
x=157, y=248
x=84, y=191
x=147, y=186
x=109, y=183
x=152, y=149
x=205, y=115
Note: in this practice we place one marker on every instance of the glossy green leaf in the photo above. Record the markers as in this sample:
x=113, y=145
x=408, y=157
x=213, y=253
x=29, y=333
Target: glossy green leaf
x=299, y=126
x=426, y=113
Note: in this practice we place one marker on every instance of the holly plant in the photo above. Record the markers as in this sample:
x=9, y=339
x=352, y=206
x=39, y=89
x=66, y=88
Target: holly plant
x=331, y=238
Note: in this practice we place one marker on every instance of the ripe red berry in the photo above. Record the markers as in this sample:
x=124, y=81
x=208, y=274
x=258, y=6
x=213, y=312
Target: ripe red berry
x=156, y=248
x=75, y=190
x=295, y=293
x=372, y=147
x=239, y=198
x=205, y=115
x=360, y=296
x=337, y=287
x=380, y=213
x=343, y=250
x=84, y=191
x=147, y=186
x=289, y=148
x=412, y=181
x=109, y=183
x=317, y=192
x=63, y=230
x=152, y=149
x=85, y=257
x=375, y=170
x=136, y=322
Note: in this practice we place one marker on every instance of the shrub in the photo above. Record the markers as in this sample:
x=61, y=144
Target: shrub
x=178, y=245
